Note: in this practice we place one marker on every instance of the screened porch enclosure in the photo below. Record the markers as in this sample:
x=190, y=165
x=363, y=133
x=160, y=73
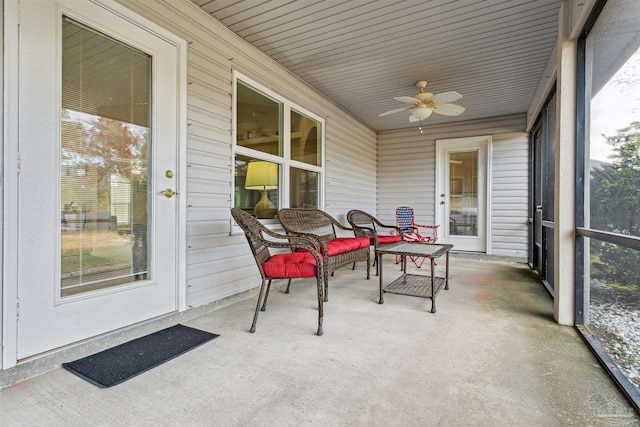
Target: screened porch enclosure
x=279, y=107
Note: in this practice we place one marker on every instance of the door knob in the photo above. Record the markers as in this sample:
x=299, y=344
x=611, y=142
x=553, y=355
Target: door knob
x=169, y=193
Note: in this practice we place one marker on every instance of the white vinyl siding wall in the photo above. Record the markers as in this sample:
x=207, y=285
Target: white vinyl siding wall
x=406, y=176
x=509, y=194
x=220, y=265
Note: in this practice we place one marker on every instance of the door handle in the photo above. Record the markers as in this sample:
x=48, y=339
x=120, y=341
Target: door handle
x=442, y=202
x=169, y=193
x=539, y=207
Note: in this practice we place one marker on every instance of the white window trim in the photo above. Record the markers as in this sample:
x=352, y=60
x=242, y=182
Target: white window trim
x=285, y=161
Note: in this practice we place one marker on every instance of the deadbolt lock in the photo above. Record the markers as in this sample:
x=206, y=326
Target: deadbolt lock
x=169, y=174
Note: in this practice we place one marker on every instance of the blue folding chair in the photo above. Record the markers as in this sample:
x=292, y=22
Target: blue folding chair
x=411, y=230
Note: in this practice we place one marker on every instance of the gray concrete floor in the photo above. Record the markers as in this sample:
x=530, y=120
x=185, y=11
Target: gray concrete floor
x=491, y=356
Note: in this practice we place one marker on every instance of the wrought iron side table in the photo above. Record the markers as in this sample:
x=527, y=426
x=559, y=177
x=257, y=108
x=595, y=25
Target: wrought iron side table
x=416, y=285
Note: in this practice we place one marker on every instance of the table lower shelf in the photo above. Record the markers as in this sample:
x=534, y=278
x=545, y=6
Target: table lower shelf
x=415, y=285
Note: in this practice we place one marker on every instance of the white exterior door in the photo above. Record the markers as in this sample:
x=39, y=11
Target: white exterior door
x=462, y=192
x=98, y=132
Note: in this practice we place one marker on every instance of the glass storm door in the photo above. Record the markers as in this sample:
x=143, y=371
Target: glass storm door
x=97, y=123
x=461, y=195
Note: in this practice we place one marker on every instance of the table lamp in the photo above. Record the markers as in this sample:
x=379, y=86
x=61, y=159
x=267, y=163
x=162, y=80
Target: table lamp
x=262, y=176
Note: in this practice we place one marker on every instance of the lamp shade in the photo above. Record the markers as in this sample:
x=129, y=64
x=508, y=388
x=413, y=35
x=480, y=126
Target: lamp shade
x=261, y=176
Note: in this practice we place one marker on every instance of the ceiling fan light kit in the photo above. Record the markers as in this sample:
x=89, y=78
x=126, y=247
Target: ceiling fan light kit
x=425, y=103
x=421, y=112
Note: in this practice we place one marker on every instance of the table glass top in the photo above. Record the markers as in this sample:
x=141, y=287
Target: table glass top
x=415, y=248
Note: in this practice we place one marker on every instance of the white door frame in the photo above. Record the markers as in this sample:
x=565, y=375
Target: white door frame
x=11, y=166
x=443, y=144
x=10, y=186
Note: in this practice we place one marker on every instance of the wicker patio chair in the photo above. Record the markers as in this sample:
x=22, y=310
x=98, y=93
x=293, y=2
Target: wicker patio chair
x=307, y=263
x=379, y=234
x=321, y=226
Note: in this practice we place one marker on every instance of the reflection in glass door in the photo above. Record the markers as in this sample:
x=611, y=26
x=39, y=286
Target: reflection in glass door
x=105, y=147
x=463, y=193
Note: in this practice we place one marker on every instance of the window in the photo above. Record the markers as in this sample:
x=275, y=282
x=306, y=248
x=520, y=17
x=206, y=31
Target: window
x=105, y=161
x=608, y=206
x=279, y=147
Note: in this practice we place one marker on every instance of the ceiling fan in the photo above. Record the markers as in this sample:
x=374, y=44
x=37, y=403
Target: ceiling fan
x=425, y=103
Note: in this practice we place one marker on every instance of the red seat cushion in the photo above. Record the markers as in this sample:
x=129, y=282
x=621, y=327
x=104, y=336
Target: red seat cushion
x=340, y=245
x=290, y=265
x=387, y=239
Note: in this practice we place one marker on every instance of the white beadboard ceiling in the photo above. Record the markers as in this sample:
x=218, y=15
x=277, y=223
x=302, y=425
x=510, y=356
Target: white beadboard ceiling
x=362, y=53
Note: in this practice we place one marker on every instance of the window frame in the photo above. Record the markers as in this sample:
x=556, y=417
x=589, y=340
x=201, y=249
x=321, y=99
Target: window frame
x=284, y=162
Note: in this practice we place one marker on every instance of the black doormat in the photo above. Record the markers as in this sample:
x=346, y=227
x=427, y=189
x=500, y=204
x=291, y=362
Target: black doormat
x=118, y=364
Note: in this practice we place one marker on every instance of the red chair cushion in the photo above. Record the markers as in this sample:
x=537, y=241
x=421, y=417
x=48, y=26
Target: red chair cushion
x=340, y=245
x=290, y=265
x=387, y=239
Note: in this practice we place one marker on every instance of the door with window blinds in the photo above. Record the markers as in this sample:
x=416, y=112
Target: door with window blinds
x=463, y=193
x=98, y=141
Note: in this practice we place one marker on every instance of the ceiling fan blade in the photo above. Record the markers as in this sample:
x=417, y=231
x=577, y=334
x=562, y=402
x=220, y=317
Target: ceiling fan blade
x=407, y=99
x=446, y=97
x=449, y=109
x=395, y=111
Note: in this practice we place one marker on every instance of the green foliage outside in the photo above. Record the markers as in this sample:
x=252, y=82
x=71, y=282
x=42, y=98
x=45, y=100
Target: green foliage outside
x=615, y=207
